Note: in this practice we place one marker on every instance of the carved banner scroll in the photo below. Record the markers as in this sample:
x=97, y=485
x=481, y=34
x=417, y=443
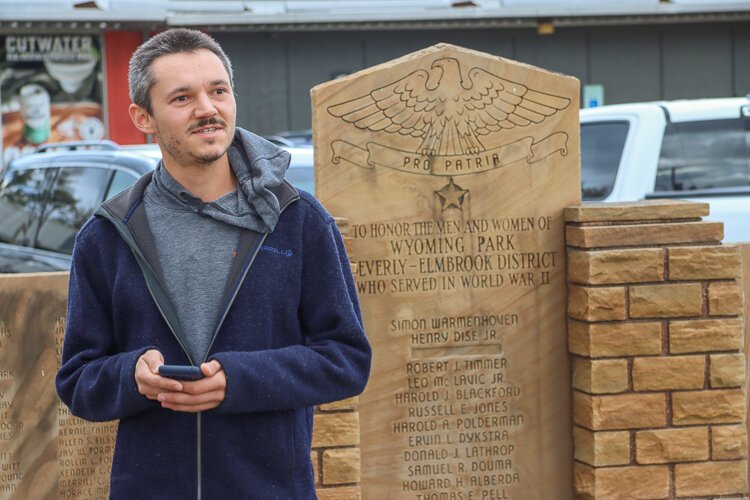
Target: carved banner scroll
x=453, y=168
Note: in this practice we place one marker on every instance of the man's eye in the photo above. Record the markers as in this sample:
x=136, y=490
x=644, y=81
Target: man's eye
x=221, y=91
x=181, y=98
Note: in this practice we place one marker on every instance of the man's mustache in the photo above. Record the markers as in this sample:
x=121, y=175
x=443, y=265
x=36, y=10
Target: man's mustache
x=206, y=122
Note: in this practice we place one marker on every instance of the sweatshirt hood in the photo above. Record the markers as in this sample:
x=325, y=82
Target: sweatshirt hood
x=259, y=167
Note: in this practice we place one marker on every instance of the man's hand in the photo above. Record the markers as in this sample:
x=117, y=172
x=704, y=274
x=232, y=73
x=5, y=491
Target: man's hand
x=147, y=377
x=199, y=395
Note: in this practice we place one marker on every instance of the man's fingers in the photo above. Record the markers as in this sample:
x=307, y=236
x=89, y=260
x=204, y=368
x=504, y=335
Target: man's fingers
x=153, y=359
x=208, y=384
x=190, y=408
x=182, y=398
x=211, y=368
x=147, y=377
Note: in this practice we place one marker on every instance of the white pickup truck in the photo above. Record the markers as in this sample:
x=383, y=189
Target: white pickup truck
x=693, y=149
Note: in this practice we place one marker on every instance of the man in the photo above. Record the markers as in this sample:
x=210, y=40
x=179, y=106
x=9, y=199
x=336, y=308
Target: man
x=212, y=261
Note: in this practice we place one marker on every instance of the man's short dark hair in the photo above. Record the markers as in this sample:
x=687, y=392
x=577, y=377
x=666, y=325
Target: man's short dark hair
x=173, y=41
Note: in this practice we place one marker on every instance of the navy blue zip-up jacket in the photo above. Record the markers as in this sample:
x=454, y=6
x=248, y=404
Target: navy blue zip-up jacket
x=291, y=338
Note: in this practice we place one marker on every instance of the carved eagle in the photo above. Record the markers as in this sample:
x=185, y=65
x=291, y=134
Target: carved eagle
x=449, y=112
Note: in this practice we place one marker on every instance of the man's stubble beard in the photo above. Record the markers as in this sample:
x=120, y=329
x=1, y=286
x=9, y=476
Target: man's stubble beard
x=172, y=145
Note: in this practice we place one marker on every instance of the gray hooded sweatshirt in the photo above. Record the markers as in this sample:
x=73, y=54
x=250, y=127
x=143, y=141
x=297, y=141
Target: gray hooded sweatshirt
x=196, y=241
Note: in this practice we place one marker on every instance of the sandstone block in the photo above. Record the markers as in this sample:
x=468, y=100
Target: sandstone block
x=620, y=483
x=345, y=493
x=725, y=298
x=343, y=224
x=614, y=339
x=727, y=370
x=314, y=458
x=341, y=466
x=621, y=411
x=616, y=266
x=596, y=304
x=704, y=335
x=349, y=245
x=708, y=407
x=344, y=404
x=335, y=429
x=600, y=376
x=601, y=448
x=646, y=210
x=729, y=442
x=665, y=301
x=704, y=262
x=711, y=478
x=671, y=445
x=643, y=234
x=668, y=373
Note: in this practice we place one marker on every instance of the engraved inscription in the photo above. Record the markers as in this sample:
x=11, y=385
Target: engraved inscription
x=453, y=168
x=428, y=256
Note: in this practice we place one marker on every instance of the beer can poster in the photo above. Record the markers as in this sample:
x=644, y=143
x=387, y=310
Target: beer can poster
x=50, y=90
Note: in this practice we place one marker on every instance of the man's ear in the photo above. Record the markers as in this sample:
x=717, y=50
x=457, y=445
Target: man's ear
x=141, y=119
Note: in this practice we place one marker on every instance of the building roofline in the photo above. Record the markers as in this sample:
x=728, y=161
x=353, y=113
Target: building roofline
x=356, y=14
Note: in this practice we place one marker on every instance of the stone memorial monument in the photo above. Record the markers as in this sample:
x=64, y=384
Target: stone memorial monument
x=453, y=168
x=45, y=452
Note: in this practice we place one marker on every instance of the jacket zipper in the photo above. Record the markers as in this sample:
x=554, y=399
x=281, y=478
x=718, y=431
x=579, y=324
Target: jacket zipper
x=254, y=254
x=145, y=266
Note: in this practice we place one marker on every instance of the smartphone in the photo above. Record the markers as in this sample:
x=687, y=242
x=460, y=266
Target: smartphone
x=181, y=372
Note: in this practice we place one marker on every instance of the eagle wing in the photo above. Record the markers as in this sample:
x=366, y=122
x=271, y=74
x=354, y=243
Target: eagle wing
x=405, y=106
x=494, y=103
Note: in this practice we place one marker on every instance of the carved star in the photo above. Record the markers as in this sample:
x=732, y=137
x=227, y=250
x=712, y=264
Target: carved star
x=452, y=195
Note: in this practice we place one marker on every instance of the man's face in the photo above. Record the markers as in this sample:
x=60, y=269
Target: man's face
x=193, y=107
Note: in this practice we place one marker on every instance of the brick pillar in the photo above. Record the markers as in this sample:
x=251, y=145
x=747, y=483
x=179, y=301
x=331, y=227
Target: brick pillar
x=656, y=336
x=335, y=441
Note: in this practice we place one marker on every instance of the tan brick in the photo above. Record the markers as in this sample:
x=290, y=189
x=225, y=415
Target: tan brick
x=335, y=429
x=729, y=442
x=671, y=445
x=345, y=493
x=314, y=458
x=706, y=262
x=725, y=298
x=727, y=370
x=341, y=466
x=665, y=301
x=616, y=266
x=711, y=478
x=348, y=245
x=667, y=373
x=343, y=224
x=621, y=411
x=596, y=304
x=601, y=448
x=643, y=234
x=645, y=210
x=621, y=483
x=704, y=335
x=344, y=404
x=614, y=339
x=600, y=376
x=708, y=407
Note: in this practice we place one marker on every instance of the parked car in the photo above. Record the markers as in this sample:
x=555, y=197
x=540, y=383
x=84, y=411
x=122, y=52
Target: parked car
x=46, y=196
x=292, y=138
x=690, y=149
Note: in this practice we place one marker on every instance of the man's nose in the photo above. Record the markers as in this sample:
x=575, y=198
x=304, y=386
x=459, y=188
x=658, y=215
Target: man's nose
x=204, y=106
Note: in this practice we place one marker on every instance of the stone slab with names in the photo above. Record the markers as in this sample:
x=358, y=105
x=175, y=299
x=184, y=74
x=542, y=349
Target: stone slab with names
x=45, y=452
x=453, y=168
